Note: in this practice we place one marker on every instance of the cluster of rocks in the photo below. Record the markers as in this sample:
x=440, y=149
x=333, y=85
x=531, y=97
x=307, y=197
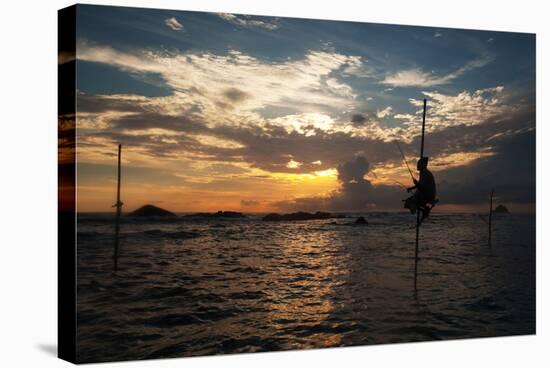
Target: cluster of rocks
x=153, y=211
x=501, y=209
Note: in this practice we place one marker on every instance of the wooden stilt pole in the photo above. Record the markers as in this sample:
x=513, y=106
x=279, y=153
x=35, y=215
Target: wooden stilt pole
x=417, y=210
x=423, y=127
x=491, y=216
x=118, y=206
x=416, y=247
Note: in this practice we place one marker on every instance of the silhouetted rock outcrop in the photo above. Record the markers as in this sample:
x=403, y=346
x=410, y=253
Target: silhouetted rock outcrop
x=272, y=217
x=361, y=221
x=151, y=211
x=219, y=214
x=501, y=209
x=297, y=216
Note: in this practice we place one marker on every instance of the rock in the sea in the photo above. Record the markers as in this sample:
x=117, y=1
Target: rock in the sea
x=297, y=216
x=219, y=214
x=151, y=211
x=501, y=209
x=361, y=221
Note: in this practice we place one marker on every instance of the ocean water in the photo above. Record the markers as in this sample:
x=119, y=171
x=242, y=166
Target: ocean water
x=188, y=287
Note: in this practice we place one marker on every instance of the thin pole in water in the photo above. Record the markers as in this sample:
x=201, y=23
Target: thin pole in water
x=416, y=246
x=417, y=210
x=491, y=216
x=118, y=206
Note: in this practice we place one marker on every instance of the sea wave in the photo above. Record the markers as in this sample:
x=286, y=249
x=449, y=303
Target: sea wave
x=188, y=288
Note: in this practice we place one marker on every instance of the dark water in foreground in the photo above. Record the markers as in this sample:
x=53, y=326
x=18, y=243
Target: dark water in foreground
x=198, y=287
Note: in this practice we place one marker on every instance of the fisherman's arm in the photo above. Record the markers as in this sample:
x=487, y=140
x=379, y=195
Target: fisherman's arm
x=414, y=186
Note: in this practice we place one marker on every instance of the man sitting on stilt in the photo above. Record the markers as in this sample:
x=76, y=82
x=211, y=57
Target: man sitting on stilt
x=423, y=198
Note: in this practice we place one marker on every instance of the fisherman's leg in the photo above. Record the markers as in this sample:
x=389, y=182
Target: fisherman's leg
x=410, y=204
x=425, y=213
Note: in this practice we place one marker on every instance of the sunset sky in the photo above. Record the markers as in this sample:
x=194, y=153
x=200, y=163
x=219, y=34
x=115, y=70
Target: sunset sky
x=260, y=114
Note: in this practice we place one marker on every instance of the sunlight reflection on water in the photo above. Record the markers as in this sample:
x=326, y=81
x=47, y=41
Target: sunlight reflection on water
x=213, y=286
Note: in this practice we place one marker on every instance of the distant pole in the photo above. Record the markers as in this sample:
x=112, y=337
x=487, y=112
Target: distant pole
x=491, y=216
x=417, y=210
x=118, y=206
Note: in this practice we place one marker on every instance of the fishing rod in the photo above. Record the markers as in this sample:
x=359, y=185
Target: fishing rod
x=390, y=179
x=404, y=159
x=398, y=183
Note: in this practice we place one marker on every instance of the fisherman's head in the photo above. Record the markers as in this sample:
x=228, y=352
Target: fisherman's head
x=422, y=163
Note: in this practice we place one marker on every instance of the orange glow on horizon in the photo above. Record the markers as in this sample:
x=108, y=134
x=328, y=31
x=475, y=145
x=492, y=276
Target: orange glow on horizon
x=259, y=194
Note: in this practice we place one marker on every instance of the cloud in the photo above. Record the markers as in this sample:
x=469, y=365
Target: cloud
x=510, y=171
x=270, y=147
x=211, y=84
x=247, y=21
x=111, y=103
x=384, y=113
x=502, y=158
x=339, y=88
x=444, y=111
x=480, y=137
x=249, y=202
x=293, y=164
x=353, y=171
x=235, y=95
x=416, y=77
x=358, y=119
x=468, y=108
x=165, y=125
x=355, y=192
x=357, y=67
x=173, y=23
x=221, y=168
x=412, y=78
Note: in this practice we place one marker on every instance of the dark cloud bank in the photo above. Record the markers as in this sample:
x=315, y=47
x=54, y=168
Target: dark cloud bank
x=356, y=193
x=510, y=170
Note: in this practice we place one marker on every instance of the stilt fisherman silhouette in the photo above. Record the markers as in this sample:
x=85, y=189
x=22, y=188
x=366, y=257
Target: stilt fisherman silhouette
x=423, y=198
